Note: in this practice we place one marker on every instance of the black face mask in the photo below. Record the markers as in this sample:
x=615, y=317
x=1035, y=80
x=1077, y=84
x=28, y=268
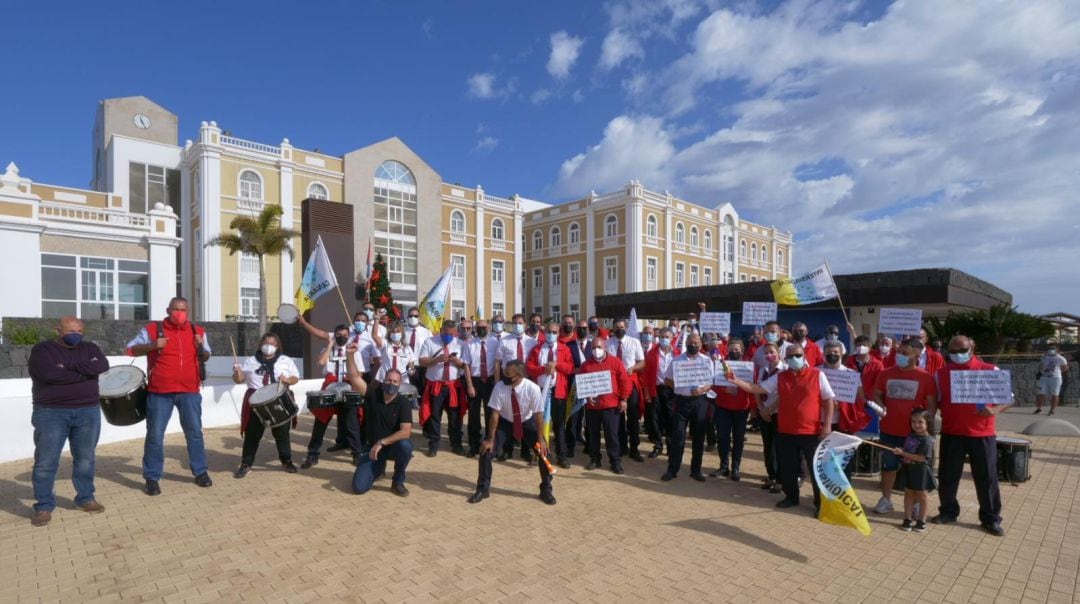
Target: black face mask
x=509, y=381
x=691, y=349
x=341, y=340
x=481, y=332
x=619, y=333
x=594, y=326
x=567, y=329
x=390, y=391
x=799, y=335
x=832, y=359
x=582, y=332
x=734, y=355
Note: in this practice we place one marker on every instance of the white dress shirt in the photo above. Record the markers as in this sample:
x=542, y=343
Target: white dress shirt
x=509, y=347
x=283, y=367
x=528, y=396
x=434, y=347
x=492, y=349
x=631, y=350
x=394, y=356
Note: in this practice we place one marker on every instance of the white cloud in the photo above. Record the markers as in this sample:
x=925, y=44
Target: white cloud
x=619, y=46
x=541, y=95
x=486, y=86
x=564, y=53
x=486, y=144
x=945, y=134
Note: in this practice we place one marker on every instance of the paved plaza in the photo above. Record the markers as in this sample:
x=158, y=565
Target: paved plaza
x=304, y=537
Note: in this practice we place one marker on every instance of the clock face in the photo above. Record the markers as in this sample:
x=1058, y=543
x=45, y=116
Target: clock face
x=141, y=121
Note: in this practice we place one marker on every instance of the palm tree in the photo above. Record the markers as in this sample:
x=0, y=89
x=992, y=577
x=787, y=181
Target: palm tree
x=260, y=236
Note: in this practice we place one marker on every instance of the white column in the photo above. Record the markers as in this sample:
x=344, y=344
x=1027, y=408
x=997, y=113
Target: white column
x=668, y=283
x=791, y=258
x=210, y=223
x=186, y=195
x=481, y=283
x=519, y=253
x=589, y=277
x=162, y=242
x=772, y=252
x=635, y=226
x=20, y=246
x=286, y=177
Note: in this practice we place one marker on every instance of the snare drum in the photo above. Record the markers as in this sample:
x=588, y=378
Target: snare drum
x=287, y=313
x=321, y=400
x=351, y=400
x=1013, y=459
x=338, y=389
x=122, y=393
x=273, y=404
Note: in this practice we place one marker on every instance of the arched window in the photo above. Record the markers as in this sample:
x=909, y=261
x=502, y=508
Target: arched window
x=780, y=260
x=538, y=240
x=251, y=185
x=574, y=233
x=753, y=252
x=611, y=226
x=764, y=253
x=742, y=249
x=708, y=240
x=680, y=233
x=497, y=230
x=395, y=171
x=457, y=222
x=556, y=236
x=693, y=236
x=650, y=226
x=317, y=191
x=395, y=223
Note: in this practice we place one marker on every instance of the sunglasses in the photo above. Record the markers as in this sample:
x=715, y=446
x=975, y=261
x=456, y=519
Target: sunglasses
x=961, y=351
x=794, y=356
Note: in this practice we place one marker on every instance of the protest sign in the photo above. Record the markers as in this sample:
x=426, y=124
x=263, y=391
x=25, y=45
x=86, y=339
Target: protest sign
x=715, y=322
x=591, y=385
x=758, y=313
x=981, y=387
x=692, y=373
x=904, y=321
x=845, y=384
x=744, y=370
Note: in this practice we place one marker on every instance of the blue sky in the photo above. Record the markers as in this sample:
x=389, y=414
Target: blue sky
x=885, y=135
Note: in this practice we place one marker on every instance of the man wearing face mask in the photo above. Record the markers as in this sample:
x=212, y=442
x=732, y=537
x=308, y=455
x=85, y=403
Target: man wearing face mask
x=483, y=352
x=415, y=336
x=580, y=351
x=1052, y=368
x=64, y=373
x=536, y=323
x=516, y=346
x=388, y=425
x=691, y=407
x=547, y=361
x=603, y=412
x=800, y=336
x=771, y=336
x=884, y=351
x=517, y=412
x=333, y=358
x=854, y=416
x=628, y=350
x=377, y=329
x=367, y=343
x=446, y=359
x=930, y=360
x=803, y=398
x=967, y=431
x=660, y=396
x=175, y=350
x=832, y=334
x=863, y=362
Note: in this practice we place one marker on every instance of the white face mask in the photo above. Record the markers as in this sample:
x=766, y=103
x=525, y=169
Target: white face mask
x=414, y=321
x=268, y=350
x=861, y=350
x=884, y=349
x=599, y=354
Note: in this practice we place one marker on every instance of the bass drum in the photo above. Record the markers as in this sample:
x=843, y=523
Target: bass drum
x=122, y=394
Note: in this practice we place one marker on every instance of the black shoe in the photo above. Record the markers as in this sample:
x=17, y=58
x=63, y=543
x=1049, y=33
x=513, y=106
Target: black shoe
x=501, y=457
x=478, y=496
x=994, y=529
x=336, y=447
x=581, y=441
x=634, y=455
x=562, y=463
x=776, y=488
x=920, y=527
x=431, y=452
x=786, y=503
x=459, y=450
x=471, y=453
x=399, y=489
x=656, y=452
x=312, y=460
x=668, y=476
x=356, y=459
x=203, y=480
x=593, y=464
x=242, y=471
x=767, y=484
x=289, y=466
x=735, y=475
x=525, y=455
x=1037, y=411
x=698, y=477
x=721, y=471
x=942, y=519
x=907, y=525
x=547, y=498
x=153, y=488
x=616, y=468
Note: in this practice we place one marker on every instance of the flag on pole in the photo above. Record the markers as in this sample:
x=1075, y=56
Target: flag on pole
x=632, y=329
x=549, y=391
x=318, y=278
x=433, y=305
x=839, y=503
x=814, y=286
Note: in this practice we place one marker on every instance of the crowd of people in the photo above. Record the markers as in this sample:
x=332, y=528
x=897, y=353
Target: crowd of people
x=488, y=378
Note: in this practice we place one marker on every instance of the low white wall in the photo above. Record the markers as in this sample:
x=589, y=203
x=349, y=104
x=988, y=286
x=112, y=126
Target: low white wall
x=221, y=407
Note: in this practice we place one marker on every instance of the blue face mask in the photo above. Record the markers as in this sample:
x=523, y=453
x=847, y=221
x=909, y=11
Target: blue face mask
x=771, y=336
x=796, y=363
x=646, y=338
x=369, y=313
x=496, y=327
x=446, y=338
x=902, y=361
x=665, y=342
x=519, y=328
x=72, y=339
x=359, y=326
x=959, y=357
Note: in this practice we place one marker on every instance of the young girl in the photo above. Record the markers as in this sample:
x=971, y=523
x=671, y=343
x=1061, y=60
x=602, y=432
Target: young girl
x=916, y=454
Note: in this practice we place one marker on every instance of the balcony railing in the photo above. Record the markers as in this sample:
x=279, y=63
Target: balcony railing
x=92, y=215
x=250, y=145
x=253, y=205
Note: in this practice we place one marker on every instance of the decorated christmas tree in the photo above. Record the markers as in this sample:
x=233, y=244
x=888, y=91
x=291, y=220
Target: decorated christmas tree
x=378, y=287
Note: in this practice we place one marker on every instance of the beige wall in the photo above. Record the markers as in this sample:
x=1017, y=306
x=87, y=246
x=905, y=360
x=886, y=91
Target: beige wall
x=56, y=244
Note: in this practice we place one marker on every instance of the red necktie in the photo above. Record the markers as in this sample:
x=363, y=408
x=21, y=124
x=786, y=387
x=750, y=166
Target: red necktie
x=521, y=351
x=446, y=366
x=519, y=431
x=483, y=361
x=618, y=351
x=412, y=339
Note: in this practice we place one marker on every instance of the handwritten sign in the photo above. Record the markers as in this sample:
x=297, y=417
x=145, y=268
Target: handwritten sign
x=845, y=384
x=591, y=385
x=758, y=313
x=981, y=387
x=744, y=370
x=692, y=373
x=905, y=321
x=715, y=322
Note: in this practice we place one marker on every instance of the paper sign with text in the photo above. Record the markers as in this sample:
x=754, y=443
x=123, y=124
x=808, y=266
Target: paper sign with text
x=692, y=373
x=845, y=384
x=591, y=385
x=758, y=313
x=715, y=322
x=904, y=321
x=981, y=387
x=744, y=370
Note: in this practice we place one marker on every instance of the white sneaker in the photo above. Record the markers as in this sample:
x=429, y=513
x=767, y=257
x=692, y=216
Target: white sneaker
x=884, y=506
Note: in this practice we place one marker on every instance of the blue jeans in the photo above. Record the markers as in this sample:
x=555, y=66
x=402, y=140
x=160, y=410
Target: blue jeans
x=159, y=408
x=366, y=471
x=52, y=426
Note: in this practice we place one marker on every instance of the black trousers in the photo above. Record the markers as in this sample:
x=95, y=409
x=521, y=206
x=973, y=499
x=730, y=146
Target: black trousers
x=730, y=435
x=630, y=424
x=692, y=412
x=981, y=451
x=564, y=444
x=792, y=450
x=608, y=420
x=663, y=415
x=348, y=430
x=477, y=412
x=768, y=443
x=254, y=434
x=433, y=429
x=503, y=432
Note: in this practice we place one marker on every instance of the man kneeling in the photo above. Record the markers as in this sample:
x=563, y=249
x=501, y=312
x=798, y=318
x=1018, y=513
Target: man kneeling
x=388, y=426
x=514, y=402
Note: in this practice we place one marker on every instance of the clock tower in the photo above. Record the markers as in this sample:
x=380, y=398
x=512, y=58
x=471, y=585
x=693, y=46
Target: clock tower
x=134, y=117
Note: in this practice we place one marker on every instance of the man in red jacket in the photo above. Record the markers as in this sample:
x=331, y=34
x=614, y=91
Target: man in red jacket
x=656, y=391
x=864, y=362
x=930, y=360
x=605, y=410
x=175, y=350
x=552, y=360
x=967, y=430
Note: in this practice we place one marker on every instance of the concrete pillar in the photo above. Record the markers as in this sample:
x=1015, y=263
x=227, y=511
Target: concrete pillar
x=481, y=274
x=162, y=242
x=20, y=245
x=285, y=172
x=210, y=302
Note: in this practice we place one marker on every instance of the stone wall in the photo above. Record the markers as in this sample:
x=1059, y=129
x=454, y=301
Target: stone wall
x=13, y=361
x=1025, y=384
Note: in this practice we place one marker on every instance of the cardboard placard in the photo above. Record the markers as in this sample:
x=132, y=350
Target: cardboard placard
x=903, y=321
x=845, y=384
x=692, y=373
x=715, y=322
x=591, y=385
x=981, y=387
x=758, y=313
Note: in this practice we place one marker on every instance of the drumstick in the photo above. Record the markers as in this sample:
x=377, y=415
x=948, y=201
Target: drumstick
x=233, y=344
x=874, y=444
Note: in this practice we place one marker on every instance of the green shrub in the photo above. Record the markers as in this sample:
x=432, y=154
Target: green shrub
x=26, y=335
